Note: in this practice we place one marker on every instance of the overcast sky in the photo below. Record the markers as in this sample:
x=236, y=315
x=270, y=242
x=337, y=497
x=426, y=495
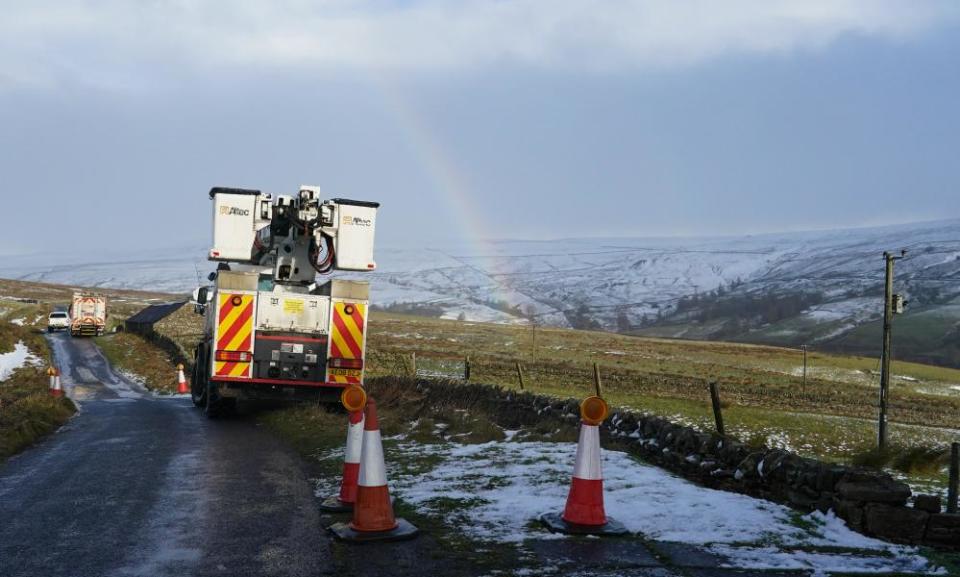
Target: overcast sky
x=522, y=119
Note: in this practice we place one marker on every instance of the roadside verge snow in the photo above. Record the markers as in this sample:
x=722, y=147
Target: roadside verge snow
x=502, y=488
x=18, y=357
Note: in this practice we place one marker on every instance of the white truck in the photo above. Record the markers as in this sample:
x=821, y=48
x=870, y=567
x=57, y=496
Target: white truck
x=88, y=315
x=271, y=331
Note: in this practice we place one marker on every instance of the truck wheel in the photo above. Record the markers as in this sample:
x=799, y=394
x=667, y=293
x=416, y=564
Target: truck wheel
x=198, y=378
x=217, y=407
x=197, y=388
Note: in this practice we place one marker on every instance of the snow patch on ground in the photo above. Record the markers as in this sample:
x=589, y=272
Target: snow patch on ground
x=773, y=558
x=477, y=313
x=503, y=486
x=15, y=359
x=845, y=327
x=860, y=309
x=19, y=322
x=131, y=376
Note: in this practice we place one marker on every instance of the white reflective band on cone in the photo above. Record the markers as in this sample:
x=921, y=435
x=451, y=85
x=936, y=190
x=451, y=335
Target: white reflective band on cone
x=354, y=442
x=588, y=453
x=372, y=469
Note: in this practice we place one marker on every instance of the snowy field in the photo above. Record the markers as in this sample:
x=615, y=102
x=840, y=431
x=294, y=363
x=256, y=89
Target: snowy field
x=501, y=488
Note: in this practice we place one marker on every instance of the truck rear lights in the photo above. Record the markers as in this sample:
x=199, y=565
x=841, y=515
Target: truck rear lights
x=348, y=309
x=236, y=300
x=233, y=356
x=346, y=363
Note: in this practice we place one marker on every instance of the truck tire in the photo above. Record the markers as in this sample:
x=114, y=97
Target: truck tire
x=217, y=407
x=198, y=380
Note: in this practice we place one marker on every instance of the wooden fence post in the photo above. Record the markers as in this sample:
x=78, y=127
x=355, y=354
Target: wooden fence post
x=413, y=364
x=466, y=368
x=803, y=387
x=596, y=379
x=715, y=400
x=954, y=478
x=520, y=375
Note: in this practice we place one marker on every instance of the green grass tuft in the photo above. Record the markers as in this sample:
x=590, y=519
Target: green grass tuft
x=913, y=460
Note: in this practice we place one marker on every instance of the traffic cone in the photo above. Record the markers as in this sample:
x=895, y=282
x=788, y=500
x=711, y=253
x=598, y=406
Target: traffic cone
x=182, y=388
x=373, y=518
x=351, y=468
x=56, y=390
x=53, y=381
x=584, y=513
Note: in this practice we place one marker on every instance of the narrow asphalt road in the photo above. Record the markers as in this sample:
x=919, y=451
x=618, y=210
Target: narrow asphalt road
x=143, y=485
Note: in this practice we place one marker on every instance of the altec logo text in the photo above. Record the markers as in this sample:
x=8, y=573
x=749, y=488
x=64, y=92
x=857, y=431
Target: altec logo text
x=355, y=220
x=234, y=210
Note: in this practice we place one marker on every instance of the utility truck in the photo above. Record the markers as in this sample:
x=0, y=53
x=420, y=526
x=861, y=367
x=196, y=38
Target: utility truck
x=271, y=330
x=88, y=315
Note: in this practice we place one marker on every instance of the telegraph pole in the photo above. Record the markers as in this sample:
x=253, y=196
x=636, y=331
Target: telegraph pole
x=889, y=307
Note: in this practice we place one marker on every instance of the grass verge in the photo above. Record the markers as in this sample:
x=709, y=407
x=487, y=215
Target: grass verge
x=27, y=411
x=141, y=360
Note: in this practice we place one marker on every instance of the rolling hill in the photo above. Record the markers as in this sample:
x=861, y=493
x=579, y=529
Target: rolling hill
x=820, y=288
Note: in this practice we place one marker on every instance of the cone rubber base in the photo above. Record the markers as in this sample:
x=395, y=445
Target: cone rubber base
x=404, y=530
x=555, y=523
x=335, y=505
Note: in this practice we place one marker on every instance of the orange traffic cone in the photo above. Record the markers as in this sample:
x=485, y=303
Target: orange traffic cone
x=373, y=518
x=57, y=390
x=584, y=513
x=181, y=381
x=51, y=372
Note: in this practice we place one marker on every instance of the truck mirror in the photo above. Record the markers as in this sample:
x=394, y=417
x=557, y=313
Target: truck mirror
x=200, y=299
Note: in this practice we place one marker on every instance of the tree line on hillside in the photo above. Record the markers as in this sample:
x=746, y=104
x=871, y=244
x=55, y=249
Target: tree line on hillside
x=761, y=308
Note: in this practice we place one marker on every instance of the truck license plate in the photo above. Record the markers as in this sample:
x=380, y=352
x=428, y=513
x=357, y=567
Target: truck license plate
x=345, y=372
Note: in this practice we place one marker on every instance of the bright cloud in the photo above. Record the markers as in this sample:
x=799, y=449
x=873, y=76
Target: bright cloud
x=42, y=41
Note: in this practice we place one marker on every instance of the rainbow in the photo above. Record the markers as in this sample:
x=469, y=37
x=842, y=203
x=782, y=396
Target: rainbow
x=449, y=184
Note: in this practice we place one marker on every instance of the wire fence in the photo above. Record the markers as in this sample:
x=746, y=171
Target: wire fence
x=817, y=395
